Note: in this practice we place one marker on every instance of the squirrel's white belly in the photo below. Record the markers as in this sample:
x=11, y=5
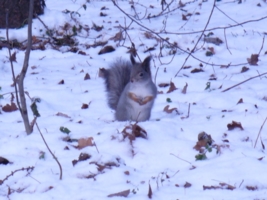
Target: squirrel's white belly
x=140, y=112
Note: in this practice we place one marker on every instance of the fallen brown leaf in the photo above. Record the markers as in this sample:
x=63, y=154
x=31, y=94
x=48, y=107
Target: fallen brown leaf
x=61, y=82
x=84, y=156
x=149, y=192
x=234, y=125
x=213, y=40
x=167, y=110
x=172, y=87
x=196, y=70
x=184, y=17
x=62, y=115
x=124, y=193
x=240, y=101
x=85, y=142
x=10, y=108
x=117, y=37
x=106, y=49
x=185, y=88
x=244, y=69
x=163, y=84
x=13, y=57
x=252, y=188
x=3, y=161
x=253, y=60
x=187, y=185
x=84, y=106
x=87, y=76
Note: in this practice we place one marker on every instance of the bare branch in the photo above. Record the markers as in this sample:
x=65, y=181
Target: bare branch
x=168, y=42
x=260, y=132
x=226, y=42
x=227, y=15
x=244, y=81
x=192, y=51
x=218, y=28
x=23, y=72
x=17, y=170
x=60, y=168
x=11, y=63
x=262, y=45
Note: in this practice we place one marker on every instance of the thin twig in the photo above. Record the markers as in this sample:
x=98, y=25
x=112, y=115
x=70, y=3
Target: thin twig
x=226, y=42
x=244, y=81
x=202, y=33
x=262, y=44
x=181, y=159
x=260, y=132
x=166, y=40
x=156, y=75
x=12, y=173
x=170, y=11
x=227, y=15
x=11, y=63
x=217, y=28
x=46, y=27
x=60, y=168
x=96, y=147
x=241, y=183
x=188, y=112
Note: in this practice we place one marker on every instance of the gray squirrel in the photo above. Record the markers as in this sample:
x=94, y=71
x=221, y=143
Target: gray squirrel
x=131, y=91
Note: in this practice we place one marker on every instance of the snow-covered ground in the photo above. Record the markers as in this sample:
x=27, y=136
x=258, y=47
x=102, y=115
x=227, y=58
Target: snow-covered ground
x=164, y=162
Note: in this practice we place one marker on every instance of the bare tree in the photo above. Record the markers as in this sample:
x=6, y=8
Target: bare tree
x=24, y=112
x=21, y=100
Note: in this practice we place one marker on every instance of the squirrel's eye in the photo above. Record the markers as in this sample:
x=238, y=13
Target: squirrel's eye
x=141, y=74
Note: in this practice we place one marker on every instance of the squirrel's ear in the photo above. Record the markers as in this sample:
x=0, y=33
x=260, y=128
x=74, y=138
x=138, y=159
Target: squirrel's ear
x=146, y=64
x=132, y=59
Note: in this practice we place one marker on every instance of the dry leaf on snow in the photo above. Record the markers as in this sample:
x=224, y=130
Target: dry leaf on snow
x=253, y=60
x=185, y=88
x=234, y=125
x=163, y=84
x=172, y=87
x=167, y=110
x=87, y=76
x=62, y=115
x=106, y=49
x=10, y=108
x=240, y=101
x=124, y=193
x=85, y=142
x=196, y=70
x=149, y=192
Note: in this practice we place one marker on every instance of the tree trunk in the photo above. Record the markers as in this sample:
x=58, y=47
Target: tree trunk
x=24, y=112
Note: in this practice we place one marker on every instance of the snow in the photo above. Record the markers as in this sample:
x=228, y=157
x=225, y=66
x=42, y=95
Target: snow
x=166, y=158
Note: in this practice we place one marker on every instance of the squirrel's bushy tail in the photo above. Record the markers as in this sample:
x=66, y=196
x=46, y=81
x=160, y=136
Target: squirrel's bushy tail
x=116, y=77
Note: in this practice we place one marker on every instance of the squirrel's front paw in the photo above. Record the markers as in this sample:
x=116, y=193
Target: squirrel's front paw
x=141, y=101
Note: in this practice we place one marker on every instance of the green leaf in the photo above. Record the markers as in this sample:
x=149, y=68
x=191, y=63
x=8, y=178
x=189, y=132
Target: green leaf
x=207, y=86
x=42, y=155
x=168, y=100
x=209, y=53
x=34, y=110
x=64, y=130
x=209, y=148
x=201, y=157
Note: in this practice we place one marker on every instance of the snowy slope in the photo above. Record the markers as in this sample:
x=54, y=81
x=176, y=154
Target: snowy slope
x=165, y=161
